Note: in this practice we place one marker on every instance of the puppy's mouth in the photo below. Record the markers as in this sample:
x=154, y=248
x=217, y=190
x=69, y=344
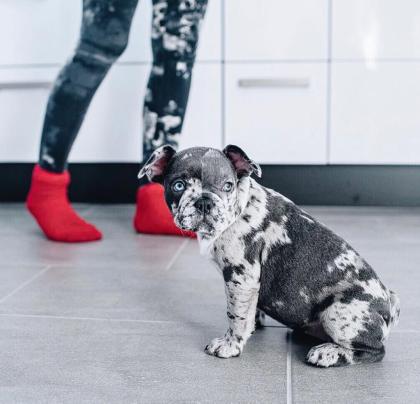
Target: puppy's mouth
x=205, y=228
x=197, y=223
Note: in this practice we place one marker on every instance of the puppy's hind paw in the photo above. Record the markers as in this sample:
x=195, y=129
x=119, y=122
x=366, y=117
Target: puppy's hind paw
x=223, y=348
x=329, y=354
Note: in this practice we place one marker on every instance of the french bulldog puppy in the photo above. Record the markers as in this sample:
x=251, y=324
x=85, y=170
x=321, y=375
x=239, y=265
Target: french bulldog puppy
x=275, y=258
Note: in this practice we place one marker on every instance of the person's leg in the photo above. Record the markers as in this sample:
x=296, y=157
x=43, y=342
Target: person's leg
x=175, y=33
x=104, y=36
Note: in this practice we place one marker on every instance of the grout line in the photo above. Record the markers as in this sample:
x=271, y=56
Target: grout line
x=113, y=320
x=24, y=284
x=130, y=320
x=289, y=398
x=176, y=255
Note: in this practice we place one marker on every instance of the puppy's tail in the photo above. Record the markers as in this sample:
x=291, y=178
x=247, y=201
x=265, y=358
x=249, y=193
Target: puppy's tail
x=394, y=307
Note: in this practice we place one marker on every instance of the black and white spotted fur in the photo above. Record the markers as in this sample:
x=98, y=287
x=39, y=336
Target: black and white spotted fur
x=275, y=259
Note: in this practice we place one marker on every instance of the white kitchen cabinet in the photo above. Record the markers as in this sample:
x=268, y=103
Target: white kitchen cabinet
x=263, y=30
x=112, y=129
x=375, y=116
x=277, y=112
x=46, y=32
x=376, y=29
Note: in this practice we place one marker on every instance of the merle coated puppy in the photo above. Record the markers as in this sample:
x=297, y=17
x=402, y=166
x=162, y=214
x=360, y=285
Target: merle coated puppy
x=275, y=258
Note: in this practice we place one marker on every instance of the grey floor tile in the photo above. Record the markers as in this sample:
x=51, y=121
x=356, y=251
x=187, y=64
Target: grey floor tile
x=130, y=248
x=370, y=224
x=23, y=242
x=394, y=380
x=14, y=277
x=67, y=361
x=130, y=292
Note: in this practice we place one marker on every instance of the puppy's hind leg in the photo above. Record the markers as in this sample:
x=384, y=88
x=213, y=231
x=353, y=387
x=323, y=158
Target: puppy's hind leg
x=259, y=319
x=357, y=331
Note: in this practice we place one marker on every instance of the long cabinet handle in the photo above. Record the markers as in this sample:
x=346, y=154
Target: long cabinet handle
x=275, y=83
x=25, y=85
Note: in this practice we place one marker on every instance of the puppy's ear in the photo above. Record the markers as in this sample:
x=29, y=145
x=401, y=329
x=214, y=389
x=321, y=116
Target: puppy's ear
x=243, y=165
x=156, y=165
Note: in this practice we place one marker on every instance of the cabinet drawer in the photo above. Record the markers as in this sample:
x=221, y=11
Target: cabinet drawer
x=47, y=31
x=375, y=113
x=277, y=112
x=112, y=130
x=276, y=29
x=370, y=29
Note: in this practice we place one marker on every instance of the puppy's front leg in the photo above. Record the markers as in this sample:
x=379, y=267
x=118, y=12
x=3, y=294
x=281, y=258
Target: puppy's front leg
x=242, y=297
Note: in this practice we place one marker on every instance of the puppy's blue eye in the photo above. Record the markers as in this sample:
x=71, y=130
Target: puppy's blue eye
x=228, y=187
x=178, y=186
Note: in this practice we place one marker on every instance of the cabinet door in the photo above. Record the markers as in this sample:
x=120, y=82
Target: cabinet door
x=23, y=96
x=276, y=29
x=277, y=112
x=203, y=120
x=371, y=29
x=375, y=113
x=112, y=130
x=38, y=32
x=139, y=48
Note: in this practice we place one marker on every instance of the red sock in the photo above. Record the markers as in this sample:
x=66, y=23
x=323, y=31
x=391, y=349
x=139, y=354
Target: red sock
x=48, y=202
x=153, y=215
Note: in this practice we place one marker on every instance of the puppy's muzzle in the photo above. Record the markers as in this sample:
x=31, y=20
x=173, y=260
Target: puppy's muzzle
x=204, y=205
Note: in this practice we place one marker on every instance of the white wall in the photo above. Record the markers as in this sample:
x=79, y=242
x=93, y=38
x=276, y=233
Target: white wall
x=292, y=81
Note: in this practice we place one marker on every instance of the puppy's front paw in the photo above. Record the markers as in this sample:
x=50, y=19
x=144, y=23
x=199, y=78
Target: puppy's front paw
x=223, y=348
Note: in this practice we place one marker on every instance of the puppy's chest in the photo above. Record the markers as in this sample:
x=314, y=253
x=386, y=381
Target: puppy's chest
x=228, y=251
x=223, y=251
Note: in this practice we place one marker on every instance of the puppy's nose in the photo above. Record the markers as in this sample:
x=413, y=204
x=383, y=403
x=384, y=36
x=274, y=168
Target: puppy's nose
x=204, y=205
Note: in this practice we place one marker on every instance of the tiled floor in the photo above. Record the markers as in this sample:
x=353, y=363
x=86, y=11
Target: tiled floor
x=125, y=320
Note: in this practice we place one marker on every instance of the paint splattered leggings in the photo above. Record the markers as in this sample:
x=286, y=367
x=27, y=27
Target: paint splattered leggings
x=104, y=37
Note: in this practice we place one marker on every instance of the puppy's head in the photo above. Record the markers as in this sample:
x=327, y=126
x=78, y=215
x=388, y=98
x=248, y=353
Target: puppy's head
x=201, y=184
